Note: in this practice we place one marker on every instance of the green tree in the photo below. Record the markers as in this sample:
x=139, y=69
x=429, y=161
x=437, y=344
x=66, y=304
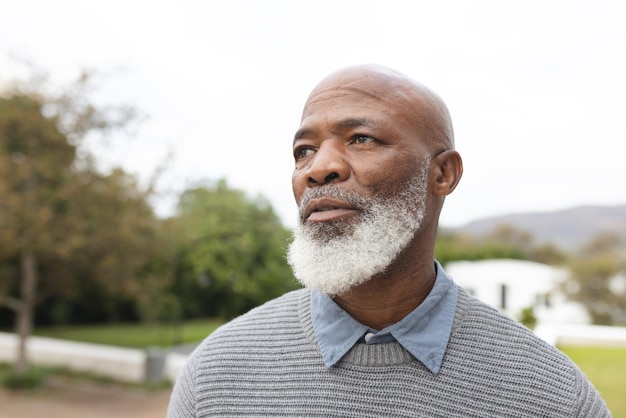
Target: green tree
x=518, y=241
x=60, y=220
x=527, y=317
x=230, y=251
x=453, y=246
x=38, y=159
x=115, y=238
x=504, y=241
x=598, y=276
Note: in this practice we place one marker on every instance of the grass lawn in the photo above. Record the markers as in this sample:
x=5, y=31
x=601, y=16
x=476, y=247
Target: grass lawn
x=134, y=335
x=606, y=368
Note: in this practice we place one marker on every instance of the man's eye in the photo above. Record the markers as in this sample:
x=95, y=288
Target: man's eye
x=303, y=152
x=363, y=139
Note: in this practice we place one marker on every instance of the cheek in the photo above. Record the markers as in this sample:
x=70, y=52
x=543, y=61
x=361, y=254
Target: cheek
x=297, y=185
x=386, y=177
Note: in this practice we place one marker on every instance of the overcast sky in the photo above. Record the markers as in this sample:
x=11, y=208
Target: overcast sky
x=537, y=89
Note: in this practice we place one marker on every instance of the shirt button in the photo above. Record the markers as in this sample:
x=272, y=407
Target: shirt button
x=369, y=336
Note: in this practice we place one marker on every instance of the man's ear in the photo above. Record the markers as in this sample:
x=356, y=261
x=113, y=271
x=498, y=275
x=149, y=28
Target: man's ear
x=448, y=169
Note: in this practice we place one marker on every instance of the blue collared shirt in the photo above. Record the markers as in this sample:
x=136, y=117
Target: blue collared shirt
x=424, y=332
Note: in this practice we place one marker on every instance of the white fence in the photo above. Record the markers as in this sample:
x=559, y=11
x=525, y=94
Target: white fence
x=123, y=364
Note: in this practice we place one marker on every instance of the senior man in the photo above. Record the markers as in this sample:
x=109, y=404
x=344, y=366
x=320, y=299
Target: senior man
x=379, y=330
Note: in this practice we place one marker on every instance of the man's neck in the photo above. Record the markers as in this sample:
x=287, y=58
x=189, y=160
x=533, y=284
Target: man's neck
x=387, y=298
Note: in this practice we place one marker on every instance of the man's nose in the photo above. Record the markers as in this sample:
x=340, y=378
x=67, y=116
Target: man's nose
x=328, y=164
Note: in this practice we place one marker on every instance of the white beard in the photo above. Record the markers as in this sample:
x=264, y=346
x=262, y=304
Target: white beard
x=335, y=257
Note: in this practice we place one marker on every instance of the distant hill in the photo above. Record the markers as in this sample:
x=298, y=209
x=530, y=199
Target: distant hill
x=567, y=229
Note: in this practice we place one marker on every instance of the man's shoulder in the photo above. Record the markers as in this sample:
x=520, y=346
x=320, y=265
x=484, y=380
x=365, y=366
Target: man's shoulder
x=497, y=335
x=279, y=314
x=479, y=318
x=491, y=347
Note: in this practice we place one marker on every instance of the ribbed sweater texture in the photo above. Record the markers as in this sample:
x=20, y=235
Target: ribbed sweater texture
x=266, y=363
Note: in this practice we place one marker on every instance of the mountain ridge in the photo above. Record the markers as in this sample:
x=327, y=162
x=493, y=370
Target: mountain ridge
x=568, y=228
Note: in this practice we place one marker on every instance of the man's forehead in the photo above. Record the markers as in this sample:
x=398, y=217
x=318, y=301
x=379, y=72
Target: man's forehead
x=354, y=100
x=384, y=89
x=353, y=95
x=366, y=83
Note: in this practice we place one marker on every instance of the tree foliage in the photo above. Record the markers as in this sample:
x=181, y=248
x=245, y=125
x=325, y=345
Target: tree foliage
x=37, y=160
x=61, y=221
x=86, y=246
x=598, y=279
x=504, y=241
x=229, y=255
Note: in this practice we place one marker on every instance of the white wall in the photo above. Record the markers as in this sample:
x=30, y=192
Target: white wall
x=122, y=364
x=527, y=284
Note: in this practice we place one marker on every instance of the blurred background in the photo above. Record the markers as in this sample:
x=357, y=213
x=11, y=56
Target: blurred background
x=145, y=163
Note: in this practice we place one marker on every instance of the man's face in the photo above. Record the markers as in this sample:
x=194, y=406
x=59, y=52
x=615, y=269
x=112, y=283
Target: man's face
x=361, y=183
x=364, y=145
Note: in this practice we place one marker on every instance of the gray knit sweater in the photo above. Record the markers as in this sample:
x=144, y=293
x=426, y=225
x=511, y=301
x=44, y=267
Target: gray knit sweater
x=266, y=363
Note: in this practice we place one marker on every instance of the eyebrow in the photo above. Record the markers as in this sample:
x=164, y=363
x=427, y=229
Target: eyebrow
x=340, y=125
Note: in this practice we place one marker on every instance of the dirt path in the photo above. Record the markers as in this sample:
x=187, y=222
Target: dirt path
x=62, y=399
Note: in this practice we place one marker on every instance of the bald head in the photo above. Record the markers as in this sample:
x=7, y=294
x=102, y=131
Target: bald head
x=427, y=111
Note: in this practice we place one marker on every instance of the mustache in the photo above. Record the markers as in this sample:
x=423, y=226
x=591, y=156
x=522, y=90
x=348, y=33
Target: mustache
x=335, y=192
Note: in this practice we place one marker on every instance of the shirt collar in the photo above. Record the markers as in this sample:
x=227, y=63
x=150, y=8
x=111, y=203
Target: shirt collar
x=424, y=332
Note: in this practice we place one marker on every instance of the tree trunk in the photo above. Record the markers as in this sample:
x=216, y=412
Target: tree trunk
x=25, y=313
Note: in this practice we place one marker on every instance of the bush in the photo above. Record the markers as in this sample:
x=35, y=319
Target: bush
x=527, y=317
x=32, y=379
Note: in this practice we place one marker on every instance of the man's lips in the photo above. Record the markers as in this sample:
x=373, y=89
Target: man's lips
x=326, y=209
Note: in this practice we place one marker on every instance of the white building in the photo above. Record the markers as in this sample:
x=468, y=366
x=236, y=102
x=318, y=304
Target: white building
x=513, y=285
